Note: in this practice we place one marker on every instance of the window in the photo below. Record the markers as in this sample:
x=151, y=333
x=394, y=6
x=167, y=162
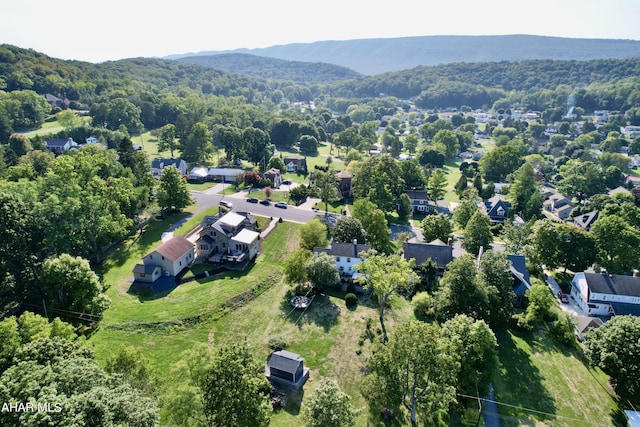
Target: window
x=337, y=259
x=163, y=258
x=180, y=263
x=348, y=259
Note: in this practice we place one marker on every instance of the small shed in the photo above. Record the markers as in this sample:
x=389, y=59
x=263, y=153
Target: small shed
x=286, y=368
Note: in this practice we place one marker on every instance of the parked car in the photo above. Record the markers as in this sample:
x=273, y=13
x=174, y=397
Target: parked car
x=252, y=200
x=286, y=182
x=281, y=205
x=265, y=202
x=226, y=204
x=563, y=297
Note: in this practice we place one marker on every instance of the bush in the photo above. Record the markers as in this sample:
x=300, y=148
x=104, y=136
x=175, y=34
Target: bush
x=422, y=304
x=350, y=299
x=278, y=342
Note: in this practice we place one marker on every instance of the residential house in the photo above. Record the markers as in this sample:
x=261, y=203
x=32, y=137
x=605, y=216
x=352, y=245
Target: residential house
x=346, y=255
x=496, y=208
x=602, y=294
x=345, y=180
x=521, y=278
x=558, y=205
x=59, y=146
x=230, y=238
x=584, y=323
x=201, y=174
x=286, y=368
x=420, y=202
x=159, y=164
x=274, y=176
x=633, y=418
x=54, y=101
x=631, y=132
x=295, y=164
x=631, y=181
x=441, y=253
x=585, y=221
x=169, y=259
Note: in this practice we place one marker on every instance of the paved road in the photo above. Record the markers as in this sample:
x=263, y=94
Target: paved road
x=490, y=410
x=570, y=307
x=209, y=199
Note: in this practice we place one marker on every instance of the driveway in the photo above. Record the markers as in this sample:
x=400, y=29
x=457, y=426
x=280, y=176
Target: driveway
x=570, y=307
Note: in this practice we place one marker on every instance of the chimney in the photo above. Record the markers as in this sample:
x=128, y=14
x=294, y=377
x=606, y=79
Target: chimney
x=449, y=241
x=355, y=248
x=603, y=270
x=636, y=272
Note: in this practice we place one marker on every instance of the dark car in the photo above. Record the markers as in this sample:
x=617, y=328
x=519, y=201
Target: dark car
x=252, y=200
x=281, y=205
x=563, y=297
x=265, y=202
x=286, y=182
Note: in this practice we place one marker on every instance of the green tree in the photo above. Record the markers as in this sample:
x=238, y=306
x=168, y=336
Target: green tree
x=348, y=229
x=293, y=266
x=321, y=270
x=328, y=406
x=230, y=385
x=380, y=180
x=580, y=179
x=618, y=243
x=313, y=234
x=540, y=305
x=374, y=223
x=464, y=212
x=173, y=192
x=515, y=236
x=412, y=174
x=197, y=146
x=436, y=227
x=461, y=185
x=525, y=197
x=501, y=161
x=416, y=370
x=20, y=144
x=477, y=233
x=449, y=140
x=615, y=347
x=477, y=347
x=277, y=163
x=385, y=275
x=134, y=367
x=494, y=275
x=257, y=145
x=437, y=185
x=460, y=292
x=326, y=186
x=404, y=207
x=167, y=139
x=71, y=285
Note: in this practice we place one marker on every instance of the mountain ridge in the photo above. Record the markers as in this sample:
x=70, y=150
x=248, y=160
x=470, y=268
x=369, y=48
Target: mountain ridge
x=381, y=55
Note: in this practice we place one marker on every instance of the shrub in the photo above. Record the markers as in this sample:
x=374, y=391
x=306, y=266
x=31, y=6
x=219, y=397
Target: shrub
x=350, y=299
x=278, y=342
x=422, y=304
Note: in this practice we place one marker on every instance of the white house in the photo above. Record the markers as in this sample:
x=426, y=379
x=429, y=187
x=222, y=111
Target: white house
x=346, y=256
x=170, y=258
x=602, y=294
x=159, y=164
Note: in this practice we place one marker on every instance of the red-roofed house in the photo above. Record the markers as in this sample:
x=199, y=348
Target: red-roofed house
x=170, y=258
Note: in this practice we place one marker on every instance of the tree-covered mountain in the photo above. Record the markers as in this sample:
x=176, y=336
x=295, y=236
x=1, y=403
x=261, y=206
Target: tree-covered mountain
x=272, y=68
x=376, y=56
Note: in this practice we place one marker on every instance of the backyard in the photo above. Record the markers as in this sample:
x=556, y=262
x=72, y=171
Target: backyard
x=540, y=383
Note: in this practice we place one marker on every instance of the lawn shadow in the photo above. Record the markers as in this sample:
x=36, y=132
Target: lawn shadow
x=392, y=417
x=321, y=312
x=521, y=382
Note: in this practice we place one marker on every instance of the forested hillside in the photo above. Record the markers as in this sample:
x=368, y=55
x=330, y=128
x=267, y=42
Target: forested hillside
x=272, y=68
x=376, y=56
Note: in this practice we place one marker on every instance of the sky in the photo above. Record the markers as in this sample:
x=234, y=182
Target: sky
x=97, y=31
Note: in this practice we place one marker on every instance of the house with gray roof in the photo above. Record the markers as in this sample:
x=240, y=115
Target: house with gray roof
x=585, y=221
x=158, y=165
x=521, y=278
x=229, y=238
x=286, y=368
x=496, y=208
x=346, y=256
x=440, y=252
x=603, y=294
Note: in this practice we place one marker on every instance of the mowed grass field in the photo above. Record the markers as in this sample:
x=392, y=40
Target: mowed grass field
x=539, y=383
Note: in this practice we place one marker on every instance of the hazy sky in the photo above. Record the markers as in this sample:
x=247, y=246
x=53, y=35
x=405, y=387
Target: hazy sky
x=98, y=31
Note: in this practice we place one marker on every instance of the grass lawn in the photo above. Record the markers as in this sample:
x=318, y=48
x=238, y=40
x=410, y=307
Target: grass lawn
x=553, y=382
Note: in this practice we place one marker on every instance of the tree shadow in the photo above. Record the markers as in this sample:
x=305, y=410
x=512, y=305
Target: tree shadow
x=321, y=312
x=521, y=380
x=292, y=398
